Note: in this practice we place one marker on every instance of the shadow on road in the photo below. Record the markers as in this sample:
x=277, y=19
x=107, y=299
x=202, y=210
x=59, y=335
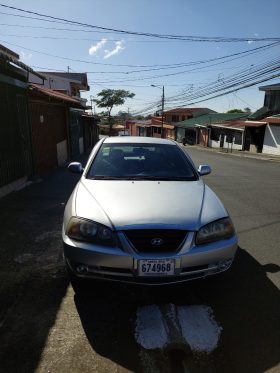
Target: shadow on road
x=245, y=302
x=32, y=279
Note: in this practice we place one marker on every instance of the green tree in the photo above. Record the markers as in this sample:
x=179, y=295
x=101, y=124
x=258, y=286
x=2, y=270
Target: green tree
x=235, y=111
x=108, y=98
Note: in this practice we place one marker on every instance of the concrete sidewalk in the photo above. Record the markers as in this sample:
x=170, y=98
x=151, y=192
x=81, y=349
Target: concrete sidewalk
x=238, y=153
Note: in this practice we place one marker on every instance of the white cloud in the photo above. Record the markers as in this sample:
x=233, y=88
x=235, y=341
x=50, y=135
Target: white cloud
x=119, y=46
x=94, y=48
x=25, y=56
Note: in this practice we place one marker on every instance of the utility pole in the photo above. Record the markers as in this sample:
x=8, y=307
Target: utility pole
x=162, y=110
x=68, y=69
x=91, y=100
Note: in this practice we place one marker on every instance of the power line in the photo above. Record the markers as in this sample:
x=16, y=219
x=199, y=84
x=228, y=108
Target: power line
x=164, y=67
x=234, y=83
x=155, y=35
x=247, y=52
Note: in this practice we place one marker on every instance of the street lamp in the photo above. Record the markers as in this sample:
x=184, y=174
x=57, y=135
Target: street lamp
x=162, y=107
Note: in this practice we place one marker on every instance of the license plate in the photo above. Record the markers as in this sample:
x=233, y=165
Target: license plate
x=156, y=267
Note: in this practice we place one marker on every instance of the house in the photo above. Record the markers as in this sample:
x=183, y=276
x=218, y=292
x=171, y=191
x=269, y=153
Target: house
x=72, y=84
x=272, y=98
x=182, y=114
x=271, y=143
x=139, y=127
x=197, y=130
x=16, y=162
x=238, y=135
x=79, y=134
x=151, y=128
x=49, y=118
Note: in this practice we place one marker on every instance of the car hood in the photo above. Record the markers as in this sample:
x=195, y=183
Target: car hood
x=123, y=204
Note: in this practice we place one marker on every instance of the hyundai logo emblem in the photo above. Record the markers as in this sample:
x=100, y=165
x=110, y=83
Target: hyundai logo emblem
x=157, y=241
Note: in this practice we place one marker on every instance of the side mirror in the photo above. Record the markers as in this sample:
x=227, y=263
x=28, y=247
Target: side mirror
x=76, y=168
x=204, y=169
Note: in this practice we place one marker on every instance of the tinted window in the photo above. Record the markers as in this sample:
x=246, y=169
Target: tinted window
x=141, y=161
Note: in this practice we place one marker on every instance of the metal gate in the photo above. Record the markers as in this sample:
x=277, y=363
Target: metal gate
x=15, y=146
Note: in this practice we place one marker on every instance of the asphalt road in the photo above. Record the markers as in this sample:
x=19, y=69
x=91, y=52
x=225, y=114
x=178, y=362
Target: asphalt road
x=45, y=327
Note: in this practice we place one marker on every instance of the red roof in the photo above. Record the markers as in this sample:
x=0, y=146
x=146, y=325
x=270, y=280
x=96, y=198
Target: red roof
x=272, y=120
x=185, y=110
x=54, y=94
x=240, y=124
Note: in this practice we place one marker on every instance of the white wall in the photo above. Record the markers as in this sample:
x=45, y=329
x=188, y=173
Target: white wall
x=271, y=143
x=52, y=81
x=232, y=146
x=216, y=144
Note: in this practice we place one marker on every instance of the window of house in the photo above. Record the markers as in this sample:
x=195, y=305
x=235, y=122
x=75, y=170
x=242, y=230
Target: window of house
x=238, y=138
x=215, y=134
x=175, y=118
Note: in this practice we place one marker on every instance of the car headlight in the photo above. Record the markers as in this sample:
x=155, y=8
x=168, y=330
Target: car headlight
x=215, y=231
x=85, y=230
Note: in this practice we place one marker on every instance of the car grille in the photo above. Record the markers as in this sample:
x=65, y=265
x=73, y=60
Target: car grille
x=156, y=240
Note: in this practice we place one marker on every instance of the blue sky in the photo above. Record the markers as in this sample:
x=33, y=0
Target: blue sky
x=106, y=51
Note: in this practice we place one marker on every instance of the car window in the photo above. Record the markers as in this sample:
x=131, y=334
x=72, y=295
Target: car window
x=141, y=161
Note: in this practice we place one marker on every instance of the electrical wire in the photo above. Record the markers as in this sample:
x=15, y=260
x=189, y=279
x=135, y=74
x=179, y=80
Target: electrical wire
x=127, y=32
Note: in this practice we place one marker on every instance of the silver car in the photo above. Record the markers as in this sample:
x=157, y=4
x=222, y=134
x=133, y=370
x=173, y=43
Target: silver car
x=141, y=213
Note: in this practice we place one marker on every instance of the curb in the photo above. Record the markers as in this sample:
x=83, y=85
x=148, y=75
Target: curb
x=275, y=159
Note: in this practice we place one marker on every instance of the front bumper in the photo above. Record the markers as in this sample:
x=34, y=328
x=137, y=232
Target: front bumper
x=121, y=264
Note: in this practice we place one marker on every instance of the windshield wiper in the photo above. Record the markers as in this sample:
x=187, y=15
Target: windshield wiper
x=162, y=178
x=104, y=177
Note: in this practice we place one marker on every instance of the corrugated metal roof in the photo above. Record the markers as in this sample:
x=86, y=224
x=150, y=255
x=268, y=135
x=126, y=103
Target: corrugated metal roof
x=186, y=110
x=9, y=52
x=208, y=119
x=255, y=124
x=240, y=124
x=270, y=87
x=139, y=122
x=273, y=119
x=20, y=64
x=54, y=94
x=260, y=113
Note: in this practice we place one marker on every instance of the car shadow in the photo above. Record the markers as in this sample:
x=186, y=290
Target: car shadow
x=245, y=302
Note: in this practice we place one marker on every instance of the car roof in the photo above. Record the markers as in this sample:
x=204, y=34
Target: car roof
x=137, y=140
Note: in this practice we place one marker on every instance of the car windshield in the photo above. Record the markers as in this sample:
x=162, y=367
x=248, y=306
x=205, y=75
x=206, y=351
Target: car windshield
x=141, y=162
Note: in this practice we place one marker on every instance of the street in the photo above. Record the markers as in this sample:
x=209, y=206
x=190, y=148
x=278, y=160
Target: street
x=45, y=327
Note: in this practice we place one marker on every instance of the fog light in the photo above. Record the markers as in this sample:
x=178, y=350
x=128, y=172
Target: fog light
x=224, y=264
x=82, y=268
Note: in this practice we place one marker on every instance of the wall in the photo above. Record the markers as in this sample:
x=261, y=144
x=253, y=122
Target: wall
x=180, y=134
x=213, y=144
x=48, y=134
x=227, y=145
x=271, y=144
x=180, y=116
x=52, y=83
x=15, y=145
